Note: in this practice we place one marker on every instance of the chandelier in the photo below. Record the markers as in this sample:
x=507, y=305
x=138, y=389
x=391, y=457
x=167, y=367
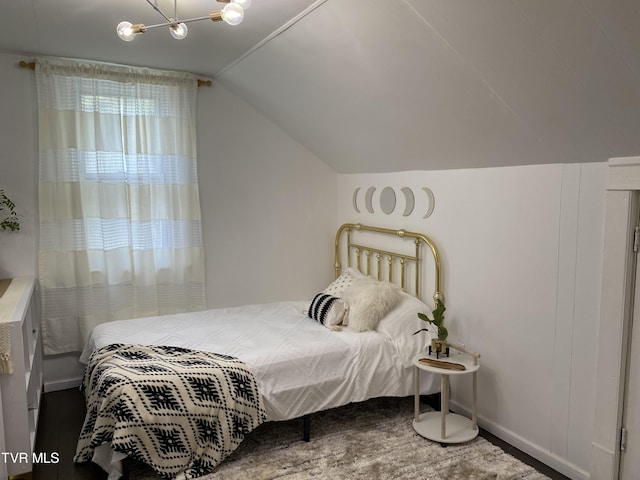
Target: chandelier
x=232, y=13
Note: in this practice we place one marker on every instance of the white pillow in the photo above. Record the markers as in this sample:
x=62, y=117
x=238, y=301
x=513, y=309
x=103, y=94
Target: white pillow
x=344, y=281
x=327, y=309
x=400, y=324
x=368, y=301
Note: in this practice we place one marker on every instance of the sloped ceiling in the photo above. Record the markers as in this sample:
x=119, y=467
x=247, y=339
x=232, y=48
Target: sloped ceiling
x=375, y=86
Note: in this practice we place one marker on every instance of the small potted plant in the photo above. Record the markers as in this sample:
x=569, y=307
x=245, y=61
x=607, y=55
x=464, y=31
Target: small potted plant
x=11, y=222
x=439, y=344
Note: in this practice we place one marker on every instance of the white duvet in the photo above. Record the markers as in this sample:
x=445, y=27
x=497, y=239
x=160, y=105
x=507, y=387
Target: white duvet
x=300, y=365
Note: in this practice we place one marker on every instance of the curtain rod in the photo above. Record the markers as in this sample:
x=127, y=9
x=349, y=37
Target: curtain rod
x=32, y=66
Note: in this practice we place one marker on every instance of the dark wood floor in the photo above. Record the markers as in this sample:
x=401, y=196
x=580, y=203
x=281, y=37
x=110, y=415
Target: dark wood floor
x=61, y=420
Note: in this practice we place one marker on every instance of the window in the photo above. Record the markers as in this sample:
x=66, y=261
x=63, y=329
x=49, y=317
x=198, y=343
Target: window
x=120, y=233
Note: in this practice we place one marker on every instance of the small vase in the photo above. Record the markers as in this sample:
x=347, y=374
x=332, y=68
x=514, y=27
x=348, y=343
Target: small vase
x=438, y=347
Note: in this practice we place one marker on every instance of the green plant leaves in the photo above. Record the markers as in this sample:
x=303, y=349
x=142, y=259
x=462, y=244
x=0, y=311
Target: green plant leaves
x=12, y=222
x=437, y=321
x=443, y=333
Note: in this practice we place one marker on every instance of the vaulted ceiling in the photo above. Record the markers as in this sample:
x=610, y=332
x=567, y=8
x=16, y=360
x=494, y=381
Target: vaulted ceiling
x=375, y=86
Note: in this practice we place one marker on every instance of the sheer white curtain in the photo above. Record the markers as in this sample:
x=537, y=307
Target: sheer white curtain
x=120, y=233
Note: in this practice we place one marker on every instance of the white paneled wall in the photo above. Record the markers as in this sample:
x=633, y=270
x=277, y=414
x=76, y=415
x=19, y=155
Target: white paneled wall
x=522, y=255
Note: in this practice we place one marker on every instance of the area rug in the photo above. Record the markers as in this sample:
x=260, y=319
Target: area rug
x=369, y=440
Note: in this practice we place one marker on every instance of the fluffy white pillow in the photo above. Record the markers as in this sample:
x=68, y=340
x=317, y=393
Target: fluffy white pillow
x=368, y=301
x=343, y=282
x=400, y=324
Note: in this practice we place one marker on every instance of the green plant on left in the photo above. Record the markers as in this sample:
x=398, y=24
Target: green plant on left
x=437, y=321
x=11, y=222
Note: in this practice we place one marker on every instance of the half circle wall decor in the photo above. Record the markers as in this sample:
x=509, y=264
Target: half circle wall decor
x=387, y=201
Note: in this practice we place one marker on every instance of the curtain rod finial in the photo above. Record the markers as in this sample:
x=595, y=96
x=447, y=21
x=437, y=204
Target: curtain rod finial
x=31, y=65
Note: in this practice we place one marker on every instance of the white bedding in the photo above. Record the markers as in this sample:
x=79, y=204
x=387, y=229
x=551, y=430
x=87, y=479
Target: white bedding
x=300, y=365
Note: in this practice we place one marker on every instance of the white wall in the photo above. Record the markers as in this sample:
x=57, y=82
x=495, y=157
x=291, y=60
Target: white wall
x=268, y=206
x=522, y=255
x=521, y=246
x=266, y=202
x=18, y=166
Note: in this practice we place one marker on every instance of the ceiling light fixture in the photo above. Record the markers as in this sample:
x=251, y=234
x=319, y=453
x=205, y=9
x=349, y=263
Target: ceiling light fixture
x=232, y=13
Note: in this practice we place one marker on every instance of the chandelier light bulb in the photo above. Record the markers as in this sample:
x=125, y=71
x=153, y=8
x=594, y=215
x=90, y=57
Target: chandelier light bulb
x=232, y=13
x=125, y=31
x=179, y=31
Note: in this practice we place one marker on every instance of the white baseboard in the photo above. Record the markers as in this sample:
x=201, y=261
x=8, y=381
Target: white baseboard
x=57, y=385
x=559, y=464
x=62, y=372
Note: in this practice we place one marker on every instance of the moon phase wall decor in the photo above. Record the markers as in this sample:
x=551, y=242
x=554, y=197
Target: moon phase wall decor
x=432, y=202
x=387, y=201
x=409, y=201
x=368, y=199
x=355, y=200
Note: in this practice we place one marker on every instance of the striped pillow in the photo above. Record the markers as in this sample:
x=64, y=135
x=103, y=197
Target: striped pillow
x=327, y=309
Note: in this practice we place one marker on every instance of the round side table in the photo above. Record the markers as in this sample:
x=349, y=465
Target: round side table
x=445, y=426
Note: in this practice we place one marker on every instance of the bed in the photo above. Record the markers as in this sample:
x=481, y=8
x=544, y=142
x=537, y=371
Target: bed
x=348, y=343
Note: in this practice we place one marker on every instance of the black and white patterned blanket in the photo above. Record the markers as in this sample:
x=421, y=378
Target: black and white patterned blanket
x=179, y=411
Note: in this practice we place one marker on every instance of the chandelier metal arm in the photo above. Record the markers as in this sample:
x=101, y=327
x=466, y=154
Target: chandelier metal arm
x=154, y=5
x=232, y=13
x=175, y=22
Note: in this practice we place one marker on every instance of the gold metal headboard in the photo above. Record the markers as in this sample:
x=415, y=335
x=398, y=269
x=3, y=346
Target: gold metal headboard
x=359, y=250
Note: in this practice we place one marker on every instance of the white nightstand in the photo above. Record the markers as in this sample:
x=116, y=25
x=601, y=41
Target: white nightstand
x=444, y=426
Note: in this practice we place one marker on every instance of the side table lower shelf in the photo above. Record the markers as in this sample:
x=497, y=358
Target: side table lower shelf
x=459, y=429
